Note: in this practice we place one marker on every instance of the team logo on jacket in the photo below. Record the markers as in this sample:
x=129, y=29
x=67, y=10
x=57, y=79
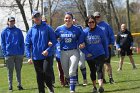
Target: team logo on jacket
x=124, y=35
x=93, y=39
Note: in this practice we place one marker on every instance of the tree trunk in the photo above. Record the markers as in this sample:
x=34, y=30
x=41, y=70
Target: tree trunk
x=116, y=18
x=128, y=15
x=23, y=14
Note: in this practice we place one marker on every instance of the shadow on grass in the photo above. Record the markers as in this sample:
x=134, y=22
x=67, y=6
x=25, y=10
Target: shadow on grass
x=116, y=90
x=127, y=81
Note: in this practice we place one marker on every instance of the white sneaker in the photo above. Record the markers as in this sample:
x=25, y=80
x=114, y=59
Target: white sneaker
x=72, y=91
x=84, y=82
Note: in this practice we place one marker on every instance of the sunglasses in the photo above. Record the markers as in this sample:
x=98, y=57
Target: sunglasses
x=12, y=21
x=97, y=16
x=91, y=22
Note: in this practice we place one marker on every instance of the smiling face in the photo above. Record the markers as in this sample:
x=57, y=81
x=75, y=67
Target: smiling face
x=68, y=19
x=91, y=23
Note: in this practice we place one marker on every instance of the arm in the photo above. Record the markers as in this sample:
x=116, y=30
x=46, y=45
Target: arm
x=104, y=43
x=118, y=41
x=111, y=36
x=28, y=44
x=22, y=42
x=52, y=39
x=3, y=44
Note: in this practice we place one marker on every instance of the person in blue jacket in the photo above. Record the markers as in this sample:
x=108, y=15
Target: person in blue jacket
x=110, y=40
x=12, y=44
x=96, y=51
x=81, y=63
x=70, y=38
x=38, y=51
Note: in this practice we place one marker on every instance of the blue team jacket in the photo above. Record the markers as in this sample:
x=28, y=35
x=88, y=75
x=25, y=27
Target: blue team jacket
x=37, y=40
x=70, y=38
x=108, y=31
x=12, y=41
x=95, y=43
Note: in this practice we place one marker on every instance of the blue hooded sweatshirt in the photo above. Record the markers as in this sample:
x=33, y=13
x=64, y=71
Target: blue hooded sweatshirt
x=37, y=40
x=12, y=41
x=70, y=38
x=95, y=43
x=108, y=31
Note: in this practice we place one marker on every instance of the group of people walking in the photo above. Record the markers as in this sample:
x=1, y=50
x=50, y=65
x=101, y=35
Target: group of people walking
x=72, y=44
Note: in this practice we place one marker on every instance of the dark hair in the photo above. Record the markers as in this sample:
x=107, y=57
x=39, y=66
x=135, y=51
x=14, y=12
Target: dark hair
x=87, y=19
x=69, y=13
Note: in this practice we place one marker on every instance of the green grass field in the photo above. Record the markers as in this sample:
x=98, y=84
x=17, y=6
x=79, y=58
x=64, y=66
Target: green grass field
x=126, y=81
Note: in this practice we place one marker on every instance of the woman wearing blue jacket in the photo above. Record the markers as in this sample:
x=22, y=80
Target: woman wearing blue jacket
x=70, y=38
x=38, y=51
x=12, y=44
x=96, y=50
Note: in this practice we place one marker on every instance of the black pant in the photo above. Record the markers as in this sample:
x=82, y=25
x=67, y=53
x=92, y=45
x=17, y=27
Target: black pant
x=43, y=73
x=96, y=65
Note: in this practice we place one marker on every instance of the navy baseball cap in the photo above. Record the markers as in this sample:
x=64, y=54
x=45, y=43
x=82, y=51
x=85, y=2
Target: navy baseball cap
x=11, y=18
x=36, y=14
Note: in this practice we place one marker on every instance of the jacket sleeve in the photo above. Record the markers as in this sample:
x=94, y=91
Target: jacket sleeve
x=118, y=40
x=131, y=39
x=111, y=36
x=28, y=44
x=81, y=37
x=22, y=42
x=3, y=43
x=104, y=43
x=52, y=38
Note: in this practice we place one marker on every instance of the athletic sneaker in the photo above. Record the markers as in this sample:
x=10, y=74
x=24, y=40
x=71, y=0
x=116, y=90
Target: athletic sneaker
x=94, y=90
x=84, y=82
x=101, y=90
x=20, y=87
x=111, y=81
x=10, y=88
x=119, y=69
x=50, y=89
x=72, y=91
x=104, y=81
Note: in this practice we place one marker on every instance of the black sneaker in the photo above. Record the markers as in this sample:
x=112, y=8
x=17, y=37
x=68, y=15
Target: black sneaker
x=111, y=81
x=94, y=90
x=50, y=89
x=20, y=87
x=10, y=88
x=104, y=81
x=101, y=90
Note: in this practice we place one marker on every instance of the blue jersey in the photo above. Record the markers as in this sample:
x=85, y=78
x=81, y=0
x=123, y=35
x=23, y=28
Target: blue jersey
x=57, y=52
x=95, y=42
x=37, y=41
x=12, y=41
x=108, y=31
x=70, y=38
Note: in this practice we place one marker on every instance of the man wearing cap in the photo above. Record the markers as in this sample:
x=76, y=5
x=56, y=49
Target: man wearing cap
x=12, y=44
x=37, y=40
x=110, y=40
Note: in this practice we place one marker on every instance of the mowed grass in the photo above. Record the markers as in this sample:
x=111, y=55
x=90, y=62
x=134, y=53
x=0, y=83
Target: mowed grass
x=126, y=81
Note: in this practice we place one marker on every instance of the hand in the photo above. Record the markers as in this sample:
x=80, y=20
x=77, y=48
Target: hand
x=30, y=61
x=106, y=58
x=131, y=48
x=50, y=44
x=81, y=46
x=119, y=49
x=45, y=53
x=89, y=55
x=111, y=46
